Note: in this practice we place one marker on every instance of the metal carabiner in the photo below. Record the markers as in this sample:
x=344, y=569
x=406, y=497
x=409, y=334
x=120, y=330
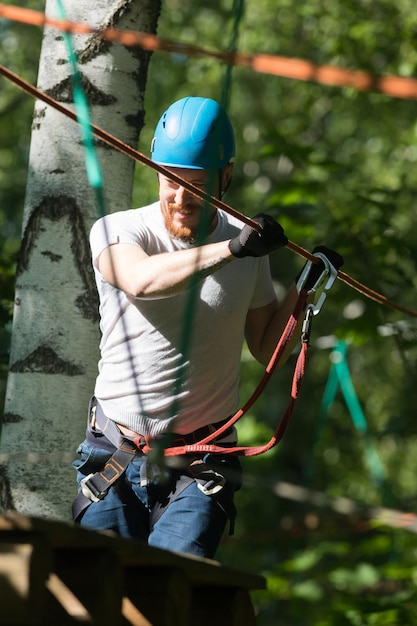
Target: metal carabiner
x=323, y=283
x=306, y=327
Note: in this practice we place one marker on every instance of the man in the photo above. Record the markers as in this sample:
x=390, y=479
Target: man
x=181, y=284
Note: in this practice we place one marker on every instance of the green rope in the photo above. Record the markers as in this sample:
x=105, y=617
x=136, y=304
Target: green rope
x=96, y=182
x=339, y=376
x=204, y=225
x=92, y=166
x=156, y=455
x=237, y=11
x=202, y=233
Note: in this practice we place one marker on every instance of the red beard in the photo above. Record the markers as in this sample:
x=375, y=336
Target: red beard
x=177, y=230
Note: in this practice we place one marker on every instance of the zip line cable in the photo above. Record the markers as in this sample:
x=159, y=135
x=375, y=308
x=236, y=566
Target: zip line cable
x=124, y=148
x=213, y=201
x=291, y=68
x=275, y=65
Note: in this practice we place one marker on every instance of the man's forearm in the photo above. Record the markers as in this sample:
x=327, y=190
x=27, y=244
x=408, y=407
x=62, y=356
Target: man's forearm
x=169, y=273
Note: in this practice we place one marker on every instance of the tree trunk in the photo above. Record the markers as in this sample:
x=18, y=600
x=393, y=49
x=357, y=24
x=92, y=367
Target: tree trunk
x=55, y=339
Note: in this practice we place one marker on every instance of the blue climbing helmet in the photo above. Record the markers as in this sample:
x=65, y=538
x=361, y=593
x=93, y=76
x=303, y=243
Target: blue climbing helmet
x=194, y=133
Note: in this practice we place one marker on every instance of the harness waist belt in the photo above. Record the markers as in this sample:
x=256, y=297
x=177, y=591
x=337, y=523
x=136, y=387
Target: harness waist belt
x=110, y=429
x=95, y=486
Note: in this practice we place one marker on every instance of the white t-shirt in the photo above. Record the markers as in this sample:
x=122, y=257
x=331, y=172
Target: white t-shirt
x=174, y=358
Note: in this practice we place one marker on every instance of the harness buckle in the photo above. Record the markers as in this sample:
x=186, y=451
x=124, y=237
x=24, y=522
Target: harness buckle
x=88, y=493
x=213, y=485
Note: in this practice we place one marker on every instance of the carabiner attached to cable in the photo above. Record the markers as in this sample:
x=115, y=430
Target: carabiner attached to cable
x=321, y=283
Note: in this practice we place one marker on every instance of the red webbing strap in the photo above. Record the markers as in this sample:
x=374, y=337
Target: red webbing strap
x=204, y=446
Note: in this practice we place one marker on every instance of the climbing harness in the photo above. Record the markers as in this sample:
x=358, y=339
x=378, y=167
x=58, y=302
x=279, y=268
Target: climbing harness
x=116, y=452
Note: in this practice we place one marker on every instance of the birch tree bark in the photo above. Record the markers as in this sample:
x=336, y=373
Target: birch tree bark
x=55, y=328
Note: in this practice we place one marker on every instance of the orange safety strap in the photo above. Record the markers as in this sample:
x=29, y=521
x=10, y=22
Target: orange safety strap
x=204, y=445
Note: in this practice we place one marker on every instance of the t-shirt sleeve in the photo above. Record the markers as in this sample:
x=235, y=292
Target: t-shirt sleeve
x=264, y=291
x=111, y=229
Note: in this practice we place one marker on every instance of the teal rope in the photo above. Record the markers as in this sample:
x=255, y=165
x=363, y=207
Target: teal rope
x=238, y=12
x=156, y=455
x=203, y=229
x=329, y=395
x=339, y=376
x=96, y=182
x=92, y=165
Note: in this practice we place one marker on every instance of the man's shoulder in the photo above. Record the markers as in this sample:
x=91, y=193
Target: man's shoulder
x=148, y=212
x=140, y=216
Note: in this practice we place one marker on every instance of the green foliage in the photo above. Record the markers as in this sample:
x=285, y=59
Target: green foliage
x=329, y=583
x=334, y=166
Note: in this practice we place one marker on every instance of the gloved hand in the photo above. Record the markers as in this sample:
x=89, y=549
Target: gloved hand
x=249, y=242
x=310, y=275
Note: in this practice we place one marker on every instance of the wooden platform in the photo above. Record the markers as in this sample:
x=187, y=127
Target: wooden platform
x=54, y=574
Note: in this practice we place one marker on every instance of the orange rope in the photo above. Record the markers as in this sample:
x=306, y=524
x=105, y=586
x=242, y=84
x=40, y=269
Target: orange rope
x=204, y=445
x=298, y=69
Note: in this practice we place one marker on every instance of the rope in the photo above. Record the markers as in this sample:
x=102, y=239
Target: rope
x=92, y=166
x=204, y=446
x=274, y=65
x=238, y=11
x=124, y=148
x=213, y=201
x=356, y=285
x=339, y=376
x=202, y=233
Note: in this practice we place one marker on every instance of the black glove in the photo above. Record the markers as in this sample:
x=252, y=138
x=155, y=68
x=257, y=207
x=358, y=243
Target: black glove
x=316, y=269
x=249, y=242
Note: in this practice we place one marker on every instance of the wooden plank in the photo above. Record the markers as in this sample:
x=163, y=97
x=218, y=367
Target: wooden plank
x=203, y=572
x=95, y=578
x=132, y=615
x=162, y=595
x=222, y=607
x=24, y=569
x=64, y=608
x=69, y=575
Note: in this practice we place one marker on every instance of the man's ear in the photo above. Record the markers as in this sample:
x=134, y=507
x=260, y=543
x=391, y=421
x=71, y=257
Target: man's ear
x=227, y=172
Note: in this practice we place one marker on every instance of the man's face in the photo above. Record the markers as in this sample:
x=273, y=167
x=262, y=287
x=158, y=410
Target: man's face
x=181, y=209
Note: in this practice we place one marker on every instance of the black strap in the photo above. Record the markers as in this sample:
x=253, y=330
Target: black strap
x=95, y=486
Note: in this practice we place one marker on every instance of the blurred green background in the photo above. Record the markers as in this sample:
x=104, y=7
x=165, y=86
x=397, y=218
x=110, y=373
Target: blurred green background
x=337, y=167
